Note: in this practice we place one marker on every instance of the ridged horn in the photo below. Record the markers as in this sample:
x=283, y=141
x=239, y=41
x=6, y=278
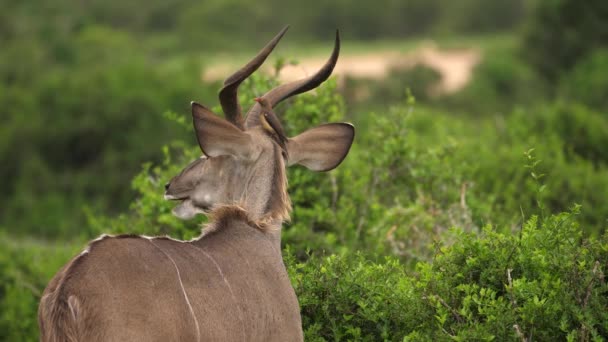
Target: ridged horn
x=229, y=93
x=285, y=91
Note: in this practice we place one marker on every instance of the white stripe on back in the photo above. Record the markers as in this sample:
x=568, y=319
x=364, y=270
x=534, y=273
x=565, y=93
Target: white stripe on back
x=181, y=284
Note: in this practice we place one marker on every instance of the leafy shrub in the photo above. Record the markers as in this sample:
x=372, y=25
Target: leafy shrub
x=545, y=282
x=582, y=129
x=562, y=32
x=499, y=83
x=586, y=82
x=472, y=16
x=567, y=140
x=547, y=279
x=65, y=124
x=420, y=80
x=352, y=298
x=26, y=266
x=363, y=21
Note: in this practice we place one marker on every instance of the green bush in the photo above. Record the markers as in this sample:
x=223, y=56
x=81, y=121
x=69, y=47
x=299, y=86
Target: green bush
x=499, y=185
x=499, y=82
x=587, y=82
x=476, y=17
x=582, y=130
x=560, y=33
x=67, y=131
x=355, y=299
x=26, y=266
x=418, y=81
x=546, y=279
x=568, y=140
x=545, y=282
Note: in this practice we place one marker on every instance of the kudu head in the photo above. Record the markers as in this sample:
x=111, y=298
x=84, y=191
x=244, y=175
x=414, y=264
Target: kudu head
x=244, y=158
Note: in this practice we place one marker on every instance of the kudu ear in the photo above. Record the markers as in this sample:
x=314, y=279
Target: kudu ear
x=218, y=137
x=321, y=148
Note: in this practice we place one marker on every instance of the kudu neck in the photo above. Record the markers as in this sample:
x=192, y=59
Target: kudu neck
x=236, y=221
x=263, y=194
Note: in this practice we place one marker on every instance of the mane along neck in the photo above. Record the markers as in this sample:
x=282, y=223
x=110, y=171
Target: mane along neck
x=225, y=219
x=278, y=205
x=264, y=195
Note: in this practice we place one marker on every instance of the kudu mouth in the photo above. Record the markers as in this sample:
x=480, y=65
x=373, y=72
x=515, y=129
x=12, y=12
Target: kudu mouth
x=175, y=198
x=185, y=200
x=187, y=209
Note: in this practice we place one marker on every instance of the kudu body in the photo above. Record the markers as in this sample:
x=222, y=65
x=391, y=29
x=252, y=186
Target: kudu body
x=230, y=284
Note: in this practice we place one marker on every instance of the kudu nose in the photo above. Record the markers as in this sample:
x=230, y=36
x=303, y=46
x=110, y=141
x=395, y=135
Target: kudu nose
x=167, y=186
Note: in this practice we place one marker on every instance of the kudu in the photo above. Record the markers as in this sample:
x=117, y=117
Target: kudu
x=230, y=284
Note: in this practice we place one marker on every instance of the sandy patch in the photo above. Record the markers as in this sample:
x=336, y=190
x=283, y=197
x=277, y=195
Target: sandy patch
x=454, y=66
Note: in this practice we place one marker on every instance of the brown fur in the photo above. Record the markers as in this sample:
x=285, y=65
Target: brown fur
x=234, y=273
x=54, y=319
x=59, y=314
x=234, y=279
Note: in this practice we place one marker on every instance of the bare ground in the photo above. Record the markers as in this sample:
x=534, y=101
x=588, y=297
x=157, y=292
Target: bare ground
x=455, y=66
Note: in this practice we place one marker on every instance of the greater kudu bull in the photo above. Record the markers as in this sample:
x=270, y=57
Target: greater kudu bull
x=230, y=284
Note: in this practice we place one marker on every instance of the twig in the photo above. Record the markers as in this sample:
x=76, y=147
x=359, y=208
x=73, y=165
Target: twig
x=510, y=282
x=463, y=193
x=584, y=329
x=454, y=312
x=519, y=333
x=590, y=285
x=523, y=222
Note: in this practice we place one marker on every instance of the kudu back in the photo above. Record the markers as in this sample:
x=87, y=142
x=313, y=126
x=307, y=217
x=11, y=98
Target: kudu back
x=230, y=284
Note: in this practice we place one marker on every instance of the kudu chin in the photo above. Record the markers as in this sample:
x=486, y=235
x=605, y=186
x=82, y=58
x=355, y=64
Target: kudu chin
x=230, y=284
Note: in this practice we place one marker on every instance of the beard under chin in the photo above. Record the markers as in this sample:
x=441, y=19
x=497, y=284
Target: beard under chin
x=187, y=210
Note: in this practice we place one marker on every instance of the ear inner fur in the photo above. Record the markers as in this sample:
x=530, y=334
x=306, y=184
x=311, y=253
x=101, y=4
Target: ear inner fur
x=321, y=148
x=217, y=136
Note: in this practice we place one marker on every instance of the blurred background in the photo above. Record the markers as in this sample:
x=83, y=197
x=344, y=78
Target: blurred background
x=446, y=96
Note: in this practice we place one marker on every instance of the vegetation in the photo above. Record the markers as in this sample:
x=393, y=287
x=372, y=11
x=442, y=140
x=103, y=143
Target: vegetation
x=545, y=283
x=480, y=215
x=563, y=33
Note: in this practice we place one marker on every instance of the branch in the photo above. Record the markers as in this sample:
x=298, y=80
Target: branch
x=519, y=333
x=454, y=312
